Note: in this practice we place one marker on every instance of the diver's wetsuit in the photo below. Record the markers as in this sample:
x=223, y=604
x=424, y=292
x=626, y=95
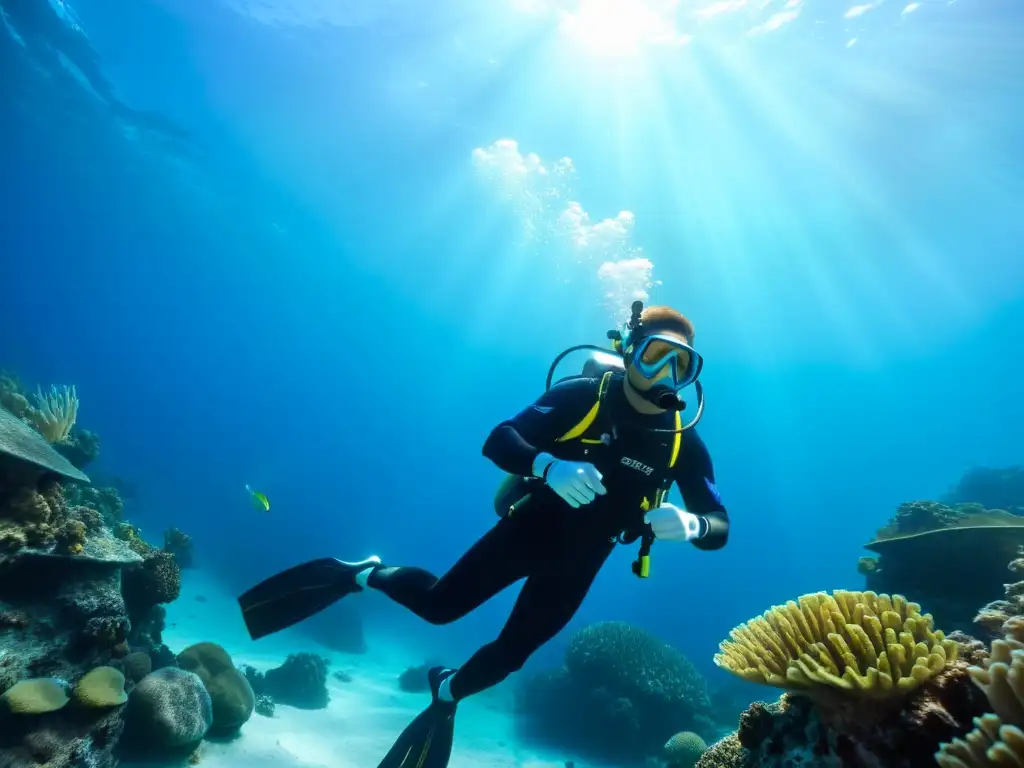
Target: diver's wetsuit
x=556, y=548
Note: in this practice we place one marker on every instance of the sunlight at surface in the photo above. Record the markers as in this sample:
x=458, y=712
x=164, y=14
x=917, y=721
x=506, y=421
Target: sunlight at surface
x=627, y=27
x=619, y=27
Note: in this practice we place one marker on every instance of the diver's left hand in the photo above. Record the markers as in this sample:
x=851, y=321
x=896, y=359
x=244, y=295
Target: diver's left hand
x=671, y=523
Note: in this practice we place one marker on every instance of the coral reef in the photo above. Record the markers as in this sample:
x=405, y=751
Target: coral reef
x=39, y=727
x=66, y=631
x=179, y=546
x=855, y=702
x=81, y=447
x=300, y=682
x=136, y=666
x=147, y=586
x=620, y=696
x=998, y=736
x=929, y=549
x=1000, y=488
x=168, y=710
x=264, y=705
x=232, y=697
x=725, y=753
x=102, y=501
x=993, y=617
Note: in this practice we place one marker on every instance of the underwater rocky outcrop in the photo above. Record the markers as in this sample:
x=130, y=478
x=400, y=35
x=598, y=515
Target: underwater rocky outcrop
x=992, y=488
x=80, y=600
x=622, y=694
x=301, y=682
x=931, y=550
x=179, y=546
x=417, y=679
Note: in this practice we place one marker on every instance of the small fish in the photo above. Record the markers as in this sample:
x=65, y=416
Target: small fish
x=259, y=500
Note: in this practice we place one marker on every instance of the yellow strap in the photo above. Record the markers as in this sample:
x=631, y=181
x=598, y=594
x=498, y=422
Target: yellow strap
x=677, y=440
x=588, y=420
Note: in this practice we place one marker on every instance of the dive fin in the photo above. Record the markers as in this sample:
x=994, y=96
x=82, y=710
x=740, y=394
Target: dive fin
x=427, y=741
x=294, y=595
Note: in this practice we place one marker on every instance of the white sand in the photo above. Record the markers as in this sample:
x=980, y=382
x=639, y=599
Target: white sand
x=364, y=716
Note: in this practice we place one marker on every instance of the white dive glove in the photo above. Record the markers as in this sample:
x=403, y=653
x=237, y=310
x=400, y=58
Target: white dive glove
x=671, y=523
x=577, y=482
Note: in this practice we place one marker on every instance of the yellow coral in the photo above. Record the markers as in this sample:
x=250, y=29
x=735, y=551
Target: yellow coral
x=996, y=739
x=101, y=687
x=55, y=413
x=858, y=642
x=36, y=696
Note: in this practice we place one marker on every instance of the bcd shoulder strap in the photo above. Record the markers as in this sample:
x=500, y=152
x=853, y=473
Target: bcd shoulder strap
x=588, y=420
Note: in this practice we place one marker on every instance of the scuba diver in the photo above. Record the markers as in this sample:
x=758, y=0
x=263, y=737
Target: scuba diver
x=589, y=466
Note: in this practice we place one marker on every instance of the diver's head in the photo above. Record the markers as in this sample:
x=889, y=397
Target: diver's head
x=660, y=359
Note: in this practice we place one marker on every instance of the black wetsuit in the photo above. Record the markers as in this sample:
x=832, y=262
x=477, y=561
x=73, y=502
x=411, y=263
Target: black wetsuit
x=559, y=549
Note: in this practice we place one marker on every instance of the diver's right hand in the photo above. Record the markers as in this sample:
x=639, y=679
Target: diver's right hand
x=577, y=482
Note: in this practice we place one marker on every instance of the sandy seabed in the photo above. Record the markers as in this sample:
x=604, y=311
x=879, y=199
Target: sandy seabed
x=364, y=716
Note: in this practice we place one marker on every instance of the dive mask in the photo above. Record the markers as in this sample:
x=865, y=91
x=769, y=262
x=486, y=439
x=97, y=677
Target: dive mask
x=658, y=352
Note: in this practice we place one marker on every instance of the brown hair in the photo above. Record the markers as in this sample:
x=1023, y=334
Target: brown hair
x=666, y=319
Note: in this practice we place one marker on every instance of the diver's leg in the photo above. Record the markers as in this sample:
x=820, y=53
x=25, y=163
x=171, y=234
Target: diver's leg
x=498, y=559
x=550, y=598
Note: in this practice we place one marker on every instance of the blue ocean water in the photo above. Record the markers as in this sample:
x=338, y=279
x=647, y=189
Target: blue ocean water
x=323, y=248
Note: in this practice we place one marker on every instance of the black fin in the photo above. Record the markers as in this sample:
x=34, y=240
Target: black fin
x=427, y=741
x=294, y=595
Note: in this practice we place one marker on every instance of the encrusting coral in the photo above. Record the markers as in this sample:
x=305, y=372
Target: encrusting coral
x=858, y=642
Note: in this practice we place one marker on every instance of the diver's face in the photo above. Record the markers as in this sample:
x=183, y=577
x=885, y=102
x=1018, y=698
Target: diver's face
x=655, y=351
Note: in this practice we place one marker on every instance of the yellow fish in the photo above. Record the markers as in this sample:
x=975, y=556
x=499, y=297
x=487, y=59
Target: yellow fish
x=259, y=500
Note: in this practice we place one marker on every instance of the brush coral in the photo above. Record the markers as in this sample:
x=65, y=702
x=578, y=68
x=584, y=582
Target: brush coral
x=54, y=413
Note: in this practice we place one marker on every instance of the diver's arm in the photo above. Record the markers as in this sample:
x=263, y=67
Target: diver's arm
x=695, y=477
x=514, y=444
